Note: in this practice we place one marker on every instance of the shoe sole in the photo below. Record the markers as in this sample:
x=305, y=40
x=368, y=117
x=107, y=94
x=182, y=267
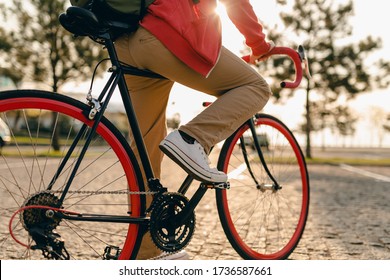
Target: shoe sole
x=174, y=257
x=180, y=159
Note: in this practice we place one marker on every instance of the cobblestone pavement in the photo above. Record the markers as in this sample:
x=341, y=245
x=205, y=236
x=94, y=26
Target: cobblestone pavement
x=349, y=217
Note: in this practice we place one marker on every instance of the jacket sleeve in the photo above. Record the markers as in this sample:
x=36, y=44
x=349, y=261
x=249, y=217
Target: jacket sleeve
x=244, y=18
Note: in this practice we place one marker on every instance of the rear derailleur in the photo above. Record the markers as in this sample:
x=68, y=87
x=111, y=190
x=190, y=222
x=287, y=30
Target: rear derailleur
x=40, y=224
x=50, y=243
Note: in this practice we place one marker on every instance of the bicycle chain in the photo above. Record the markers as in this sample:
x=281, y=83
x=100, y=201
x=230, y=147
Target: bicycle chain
x=105, y=192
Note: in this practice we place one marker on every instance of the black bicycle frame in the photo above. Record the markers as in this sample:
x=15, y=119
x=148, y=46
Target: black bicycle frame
x=116, y=80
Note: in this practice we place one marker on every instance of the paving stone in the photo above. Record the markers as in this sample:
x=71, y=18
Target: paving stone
x=344, y=221
x=385, y=240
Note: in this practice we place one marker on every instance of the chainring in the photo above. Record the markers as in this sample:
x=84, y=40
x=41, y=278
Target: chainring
x=166, y=233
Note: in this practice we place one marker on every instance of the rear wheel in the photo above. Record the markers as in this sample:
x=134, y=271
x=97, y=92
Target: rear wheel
x=261, y=220
x=43, y=126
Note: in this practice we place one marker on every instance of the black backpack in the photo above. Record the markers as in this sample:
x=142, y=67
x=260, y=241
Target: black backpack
x=125, y=11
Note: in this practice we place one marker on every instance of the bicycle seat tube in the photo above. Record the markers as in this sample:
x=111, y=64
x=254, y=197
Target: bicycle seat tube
x=119, y=70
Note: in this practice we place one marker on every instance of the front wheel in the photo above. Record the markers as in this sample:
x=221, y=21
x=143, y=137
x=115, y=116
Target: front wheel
x=263, y=220
x=42, y=127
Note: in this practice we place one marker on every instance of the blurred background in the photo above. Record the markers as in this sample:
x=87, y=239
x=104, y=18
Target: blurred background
x=344, y=105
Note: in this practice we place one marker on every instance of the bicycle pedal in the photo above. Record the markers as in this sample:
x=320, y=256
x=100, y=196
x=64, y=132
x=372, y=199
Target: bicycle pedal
x=220, y=186
x=111, y=253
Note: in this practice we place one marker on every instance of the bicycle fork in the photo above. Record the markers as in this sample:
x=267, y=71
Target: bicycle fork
x=261, y=186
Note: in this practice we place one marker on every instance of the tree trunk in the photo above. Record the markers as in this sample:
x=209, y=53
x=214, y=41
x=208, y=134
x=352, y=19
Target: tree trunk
x=308, y=122
x=55, y=132
x=55, y=124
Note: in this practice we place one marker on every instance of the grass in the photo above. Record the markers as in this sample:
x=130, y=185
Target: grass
x=25, y=140
x=26, y=154
x=41, y=145
x=315, y=160
x=350, y=161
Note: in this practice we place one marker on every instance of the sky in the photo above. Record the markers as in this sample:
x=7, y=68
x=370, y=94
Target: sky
x=371, y=18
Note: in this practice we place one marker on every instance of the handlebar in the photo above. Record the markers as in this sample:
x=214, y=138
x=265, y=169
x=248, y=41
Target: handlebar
x=296, y=56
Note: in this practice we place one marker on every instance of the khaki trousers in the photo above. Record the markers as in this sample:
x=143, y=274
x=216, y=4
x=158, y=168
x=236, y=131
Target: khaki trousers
x=240, y=92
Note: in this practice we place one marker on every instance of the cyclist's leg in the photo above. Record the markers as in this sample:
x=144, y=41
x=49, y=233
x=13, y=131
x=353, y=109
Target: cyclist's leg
x=149, y=98
x=241, y=93
x=246, y=91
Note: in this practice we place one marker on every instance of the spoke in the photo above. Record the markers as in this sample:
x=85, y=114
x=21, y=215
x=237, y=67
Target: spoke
x=12, y=193
x=101, y=186
x=266, y=224
x=10, y=170
x=31, y=183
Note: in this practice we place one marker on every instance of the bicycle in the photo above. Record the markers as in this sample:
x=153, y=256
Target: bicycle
x=88, y=200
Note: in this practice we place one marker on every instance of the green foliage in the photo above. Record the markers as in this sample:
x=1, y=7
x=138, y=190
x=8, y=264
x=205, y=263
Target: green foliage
x=337, y=67
x=386, y=126
x=337, y=63
x=39, y=49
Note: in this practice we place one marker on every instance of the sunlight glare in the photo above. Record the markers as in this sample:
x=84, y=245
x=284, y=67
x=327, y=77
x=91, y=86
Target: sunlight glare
x=220, y=10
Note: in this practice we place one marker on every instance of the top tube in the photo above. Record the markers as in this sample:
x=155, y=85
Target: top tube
x=296, y=56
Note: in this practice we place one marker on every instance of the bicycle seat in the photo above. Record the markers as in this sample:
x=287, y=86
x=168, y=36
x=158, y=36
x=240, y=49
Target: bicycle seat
x=83, y=22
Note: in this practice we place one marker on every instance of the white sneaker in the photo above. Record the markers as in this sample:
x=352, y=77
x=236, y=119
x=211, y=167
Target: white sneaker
x=192, y=158
x=181, y=255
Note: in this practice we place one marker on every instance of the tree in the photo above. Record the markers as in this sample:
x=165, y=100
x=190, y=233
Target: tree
x=386, y=125
x=378, y=120
x=337, y=65
x=15, y=77
x=39, y=49
x=5, y=47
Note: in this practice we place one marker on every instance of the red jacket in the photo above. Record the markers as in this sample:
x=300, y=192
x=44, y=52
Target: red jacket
x=192, y=32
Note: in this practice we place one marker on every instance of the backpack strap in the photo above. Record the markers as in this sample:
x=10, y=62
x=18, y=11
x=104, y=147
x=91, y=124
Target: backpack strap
x=143, y=8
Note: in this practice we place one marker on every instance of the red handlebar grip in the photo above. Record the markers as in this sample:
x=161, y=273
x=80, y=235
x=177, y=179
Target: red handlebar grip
x=246, y=58
x=294, y=56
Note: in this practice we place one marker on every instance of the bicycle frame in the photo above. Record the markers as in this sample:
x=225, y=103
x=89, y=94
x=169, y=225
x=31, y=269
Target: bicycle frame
x=93, y=189
x=117, y=80
x=98, y=107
